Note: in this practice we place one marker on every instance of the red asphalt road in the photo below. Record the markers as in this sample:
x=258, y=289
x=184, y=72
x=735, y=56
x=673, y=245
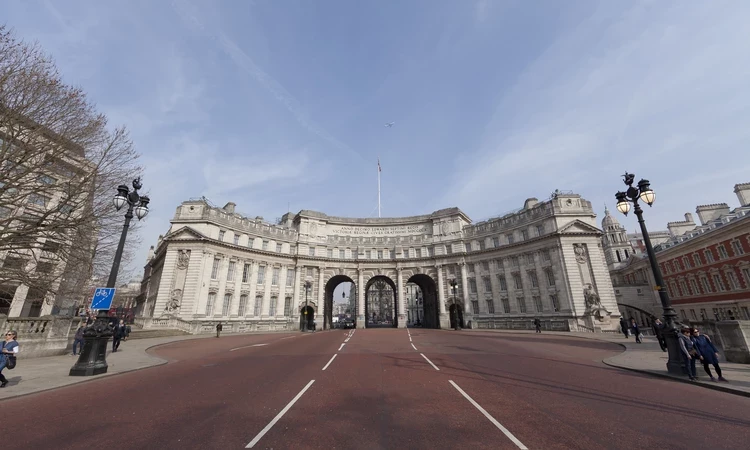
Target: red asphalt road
x=548, y=391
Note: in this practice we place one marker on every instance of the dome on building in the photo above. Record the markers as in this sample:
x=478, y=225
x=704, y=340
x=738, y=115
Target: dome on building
x=608, y=220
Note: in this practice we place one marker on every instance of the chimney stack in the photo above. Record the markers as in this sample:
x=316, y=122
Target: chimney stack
x=743, y=193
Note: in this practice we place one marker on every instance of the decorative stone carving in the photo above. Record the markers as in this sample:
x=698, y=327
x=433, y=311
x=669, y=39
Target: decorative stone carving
x=341, y=270
x=581, y=254
x=174, y=301
x=418, y=270
x=593, y=303
x=379, y=271
x=183, y=259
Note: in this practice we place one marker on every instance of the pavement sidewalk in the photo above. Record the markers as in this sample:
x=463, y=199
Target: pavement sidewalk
x=649, y=358
x=40, y=374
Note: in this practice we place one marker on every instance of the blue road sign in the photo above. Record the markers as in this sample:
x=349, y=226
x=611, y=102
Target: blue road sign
x=103, y=298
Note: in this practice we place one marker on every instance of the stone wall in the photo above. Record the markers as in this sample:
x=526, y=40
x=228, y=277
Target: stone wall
x=41, y=336
x=731, y=337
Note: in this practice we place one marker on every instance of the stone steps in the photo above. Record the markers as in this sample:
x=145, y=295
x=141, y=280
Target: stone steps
x=156, y=333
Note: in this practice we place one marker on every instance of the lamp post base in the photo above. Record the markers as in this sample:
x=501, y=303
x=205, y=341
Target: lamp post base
x=675, y=364
x=93, y=358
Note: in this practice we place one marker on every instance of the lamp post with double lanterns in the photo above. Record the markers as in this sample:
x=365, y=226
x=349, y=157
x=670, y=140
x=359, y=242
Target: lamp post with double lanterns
x=454, y=287
x=308, y=286
x=634, y=194
x=93, y=359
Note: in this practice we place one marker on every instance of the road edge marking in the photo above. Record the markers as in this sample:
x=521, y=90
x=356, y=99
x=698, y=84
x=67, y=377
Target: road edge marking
x=330, y=361
x=278, y=416
x=415, y=348
x=428, y=360
x=505, y=431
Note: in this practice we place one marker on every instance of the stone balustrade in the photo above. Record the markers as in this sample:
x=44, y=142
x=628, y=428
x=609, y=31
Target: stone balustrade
x=229, y=325
x=41, y=336
x=731, y=337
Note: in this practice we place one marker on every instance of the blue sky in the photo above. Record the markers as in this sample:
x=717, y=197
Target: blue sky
x=281, y=104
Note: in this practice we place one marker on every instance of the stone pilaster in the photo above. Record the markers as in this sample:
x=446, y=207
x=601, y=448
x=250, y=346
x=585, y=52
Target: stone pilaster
x=443, y=314
x=282, y=292
x=361, y=320
x=267, y=291
x=296, y=296
x=234, y=307
x=401, y=298
x=320, y=310
x=465, y=290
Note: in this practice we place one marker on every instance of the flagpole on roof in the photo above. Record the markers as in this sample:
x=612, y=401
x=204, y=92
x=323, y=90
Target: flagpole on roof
x=378, y=186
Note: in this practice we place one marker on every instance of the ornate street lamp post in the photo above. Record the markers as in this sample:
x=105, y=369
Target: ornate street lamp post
x=644, y=193
x=454, y=287
x=308, y=285
x=93, y=359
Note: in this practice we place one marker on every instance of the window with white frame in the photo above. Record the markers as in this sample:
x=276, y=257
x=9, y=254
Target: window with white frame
x=221, y=235
x=265, y=245
x=329, y=253
x=521, y=304
x=278, y=247
x=236, y=239
x=555, y=302
x=694, y=285
x=709, y=256
x=475, y=306
x=368, y=254
x=706, y=285
x=261, y=274
x=246, y=273
x=734, y=283
x=718, y=282
x=490, y=306
x=746, y=276
x=503, y=283
x=487, y=284
x=275, y=276
x=225, y=306
x=468, y=246
x=289, y=277
x=686, y=262
x=272, y=306
x=210, y=303
x=696, y=260
x=538, y=303
x=533, y=278
x=506, y=305
x=684, y=288
x=472, y=285
x=517, y=282
x=243, y=305
x=380, y=254
x=737, y=248
x=230, y=271
x=342, y=253
x=550, y=277
x=258, y=305
x=215, y=269
x=722, y=252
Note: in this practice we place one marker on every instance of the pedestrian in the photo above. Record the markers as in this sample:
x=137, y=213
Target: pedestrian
x=8, y=352
x=689, y=353
x=78, y=339
x=219, y=327
x=636, y=331
x=118, y=332
x=538, y=325
x=127, y=332
x=624, y=327
x=658, y=328
x=315, y=325
x=709, y=354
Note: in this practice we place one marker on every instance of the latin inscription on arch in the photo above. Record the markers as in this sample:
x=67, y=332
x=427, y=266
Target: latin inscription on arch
x=379, y=231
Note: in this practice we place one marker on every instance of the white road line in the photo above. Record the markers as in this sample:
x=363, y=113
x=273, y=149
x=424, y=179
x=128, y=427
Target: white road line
x=409, y=338
x=426, y=359
x=505, y=431
x=330, y=361
x=342, y=346
x=289, y=337
x=413, y=346
x=278, y=416
x=247, y=346
x=346, y=340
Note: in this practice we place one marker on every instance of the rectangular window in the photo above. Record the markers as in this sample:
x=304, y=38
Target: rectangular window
x=487, y=284
x=514, y=261
x=51, y=246
x=419, y=253
x=533, y=278
x=733, y=281
x=243, y=305
x=230, y=271
x=518, y=284
x=342, y=253
x=38, y=200
x=472, y=285
x=261, y=274
x=521, y=304
x=475, y=306
x=694, y=286
x=470, y=266
x=236, y=239
x=697, y=260
x=737, y=248
x=510, y=238
x=221, y=235
x=210, y=303
x=265, y=245
x=278, y=247
x=311, y=251
x=275, y=276
x=486, y=266
x=46, y=179
x=525, y=235
x=449, y=249
x=225, y=306
x=468, y=247
x=272, y=306
x=310, y=271
x=288, y=306
x=545, y=255
x=718, y=282
x=684, y=288
x=496, y=242
x=215, y=269
x=380, y=254
x=289, y=277
x=692, y=315
x=686, y=262
x=490, y=307
x=550, y=277
x=368, y=254
x=481, y=245
x=329, y=253
x=722, y=252
x=258, y=305
x=503, y=283
x=506, y=305
x=538, y=303
x=709, y=256
x=555, y=302
x=246, y=273
x=539, y=230
x=706, y=285
x=746, y=276
x=250, y=241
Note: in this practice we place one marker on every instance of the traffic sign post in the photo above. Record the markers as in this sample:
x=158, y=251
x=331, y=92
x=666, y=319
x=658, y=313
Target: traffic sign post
x=103, y=298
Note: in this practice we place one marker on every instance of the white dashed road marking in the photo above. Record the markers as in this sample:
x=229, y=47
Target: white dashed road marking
x=279, y=416
x=247, y=346
x=426, y=359
x=342, y=346
x=413, y=346
x=330, y=361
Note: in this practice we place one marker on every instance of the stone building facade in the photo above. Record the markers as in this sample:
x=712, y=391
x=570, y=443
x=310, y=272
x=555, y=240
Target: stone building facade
x=545, y=260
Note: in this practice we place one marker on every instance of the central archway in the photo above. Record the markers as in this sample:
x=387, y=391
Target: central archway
x=381, y=303
x=328, y=299
x=429, y=298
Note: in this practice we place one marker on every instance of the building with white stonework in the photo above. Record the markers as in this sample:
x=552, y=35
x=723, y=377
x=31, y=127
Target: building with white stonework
x=545, y=260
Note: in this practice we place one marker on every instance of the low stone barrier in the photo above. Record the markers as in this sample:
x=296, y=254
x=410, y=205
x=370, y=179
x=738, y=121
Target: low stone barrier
x=41, y=336
x=731, y=337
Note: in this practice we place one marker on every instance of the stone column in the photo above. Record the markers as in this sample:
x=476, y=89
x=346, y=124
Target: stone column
x=234, y=307
x=444, y=317
x=267, y=291
x=203, y=285
x=294, y=313
x=320, y=310
x=465, y=291
x=361, y=320
x=250, y=308
x=401, y=298
x=282, y=292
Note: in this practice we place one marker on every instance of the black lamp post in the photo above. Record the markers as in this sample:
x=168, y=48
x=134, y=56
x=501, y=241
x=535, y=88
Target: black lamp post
x=454, y=288
x=646, y=194
x=93, y=360
x=308, y=285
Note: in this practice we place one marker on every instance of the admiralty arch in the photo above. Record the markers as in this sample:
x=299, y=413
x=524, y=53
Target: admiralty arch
x=543, y=261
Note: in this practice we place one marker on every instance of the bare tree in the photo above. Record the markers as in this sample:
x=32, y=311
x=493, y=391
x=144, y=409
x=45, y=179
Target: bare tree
x=60, y=165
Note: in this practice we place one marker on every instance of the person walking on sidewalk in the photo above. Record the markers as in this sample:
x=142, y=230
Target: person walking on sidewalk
x=689, y=353
x=78, y=340
x=9, y=349
x=658, y=328
x=636, y=331
x=117, y=334
x=709, y=354
x=538, y=325
x=218, y=329
x=624, y=327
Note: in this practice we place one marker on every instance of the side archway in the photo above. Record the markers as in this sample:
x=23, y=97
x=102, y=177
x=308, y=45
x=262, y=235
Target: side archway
x=429, y=299
x=381, y=303
x=328, y=299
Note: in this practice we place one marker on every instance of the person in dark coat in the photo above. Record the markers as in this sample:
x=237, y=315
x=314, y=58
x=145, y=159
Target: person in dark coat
x=624, y=327
x=709, y=354
x=538, y=325
x=118, y=332
x=78, y=340
x=689, y=353
x=219, y=327
x=636, y=331
x=658, y=328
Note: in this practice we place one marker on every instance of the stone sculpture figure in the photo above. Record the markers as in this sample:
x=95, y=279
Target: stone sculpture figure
x=183, y=258
x=593, y=302
x=174, y=302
